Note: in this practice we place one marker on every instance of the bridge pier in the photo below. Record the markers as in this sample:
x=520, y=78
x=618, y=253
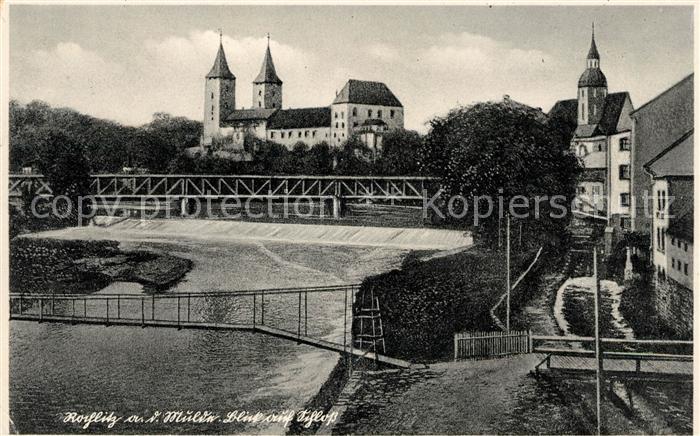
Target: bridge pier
x=338, y=207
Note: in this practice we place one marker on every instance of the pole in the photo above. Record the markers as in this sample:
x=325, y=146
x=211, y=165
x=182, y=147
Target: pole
x=255, y=297
x=598, y=350
x=508, y=273
x=499, y=232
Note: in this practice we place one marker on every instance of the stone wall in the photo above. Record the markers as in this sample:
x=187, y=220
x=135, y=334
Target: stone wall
x=674, y=305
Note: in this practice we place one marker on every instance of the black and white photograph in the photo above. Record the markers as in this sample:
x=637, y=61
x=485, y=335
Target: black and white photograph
x=347, y=217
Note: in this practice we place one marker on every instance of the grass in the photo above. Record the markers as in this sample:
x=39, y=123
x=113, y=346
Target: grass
x=425, y=302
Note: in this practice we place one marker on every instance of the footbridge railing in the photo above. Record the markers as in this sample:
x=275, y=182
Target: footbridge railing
x=113, y=186
x=302, y=315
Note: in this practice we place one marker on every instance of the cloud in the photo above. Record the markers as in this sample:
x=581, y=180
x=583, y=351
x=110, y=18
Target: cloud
x=383, y=52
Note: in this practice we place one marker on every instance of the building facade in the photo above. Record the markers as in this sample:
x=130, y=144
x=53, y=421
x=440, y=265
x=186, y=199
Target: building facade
x=657, y=124
x=363, y=108
x=602, y=141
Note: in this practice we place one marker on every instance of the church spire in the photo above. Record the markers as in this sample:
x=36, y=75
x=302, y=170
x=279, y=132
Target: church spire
x=220, y=68
x=593, y=52
x=267, y=72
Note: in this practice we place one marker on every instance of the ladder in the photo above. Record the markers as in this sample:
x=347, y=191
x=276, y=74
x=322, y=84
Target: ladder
x=371, y=331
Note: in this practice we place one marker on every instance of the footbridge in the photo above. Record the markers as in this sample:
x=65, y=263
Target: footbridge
x=294, y=314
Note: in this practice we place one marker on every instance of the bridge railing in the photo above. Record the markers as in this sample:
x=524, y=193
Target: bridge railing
x=286, y=309
x=244, y=186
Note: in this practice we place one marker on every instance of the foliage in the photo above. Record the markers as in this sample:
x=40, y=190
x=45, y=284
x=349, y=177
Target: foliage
x=400, y=153
x=502, y=150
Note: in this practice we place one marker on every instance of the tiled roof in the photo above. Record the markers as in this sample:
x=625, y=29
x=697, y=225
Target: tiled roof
x=565, y=110
x=220, y=68
x=675, y=160
x=250, y=115
x=614, y=103
x=301, y=118
x=364, y=92
x=681, y=226
x=267, y=72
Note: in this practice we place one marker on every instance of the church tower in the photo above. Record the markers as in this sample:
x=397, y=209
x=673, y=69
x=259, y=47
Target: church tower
x=592, y=88
x=219, y=93
x=267, y=87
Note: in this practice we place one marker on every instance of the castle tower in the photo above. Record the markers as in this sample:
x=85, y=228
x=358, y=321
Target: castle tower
x=592, y=88
x=219, y=93
x=267, y=87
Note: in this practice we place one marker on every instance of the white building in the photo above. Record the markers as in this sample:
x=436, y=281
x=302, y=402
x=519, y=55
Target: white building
x=602, y=141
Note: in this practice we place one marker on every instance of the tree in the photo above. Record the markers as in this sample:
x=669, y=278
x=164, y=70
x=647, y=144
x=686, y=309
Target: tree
x=63, y=163
x=500, y=151
x=400, y=153
x=354, y=158
x=319, y=159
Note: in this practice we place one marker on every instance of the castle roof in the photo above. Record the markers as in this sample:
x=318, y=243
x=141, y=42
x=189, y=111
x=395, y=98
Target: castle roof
x=246, y=115
x=593, y=77
x=365, y=92
x=220, y=68
x=267, y=72
x=567, y=111
x=301, y=118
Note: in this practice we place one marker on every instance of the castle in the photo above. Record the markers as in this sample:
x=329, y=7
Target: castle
x=362, y=108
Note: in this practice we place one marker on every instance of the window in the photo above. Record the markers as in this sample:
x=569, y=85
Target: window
x=391, y=113
x=581, y=189
x=354, y=124
x=336, y=124
x=673, y=241
x=582, y=150
x=685, y=246
x=624, y=144
x=685, y=268
x=282, y=135
x=624, y=199
x=624, y=172
x=260, y=92
x=596, y=190
x=625, y=222
x=599, y=147
x=259, y=104
x=299, y=134
x=342, y=125
x=342, y=115
x=313, y=134
x=272, y=135
x=379, y=114
x=336, y=115
x=354, y=112
x=306, y=134
x=334, y=135
x=212, y=95
x=673, y=263
x=369, y=113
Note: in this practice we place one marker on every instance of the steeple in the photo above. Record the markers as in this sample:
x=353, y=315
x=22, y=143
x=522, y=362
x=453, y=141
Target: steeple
x=267, y=70
x=593, y=52
x=220, y=69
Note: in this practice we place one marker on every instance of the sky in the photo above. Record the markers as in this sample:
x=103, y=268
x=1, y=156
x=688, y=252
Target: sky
x=126, y=62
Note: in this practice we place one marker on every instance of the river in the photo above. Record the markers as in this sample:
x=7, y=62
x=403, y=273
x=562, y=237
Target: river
x=55, y=368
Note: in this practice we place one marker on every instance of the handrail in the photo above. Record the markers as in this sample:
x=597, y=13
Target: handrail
x=611, y=340
x=244, y=292
x=248, y=176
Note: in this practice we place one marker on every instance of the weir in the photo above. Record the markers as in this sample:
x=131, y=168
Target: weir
x=232, y=311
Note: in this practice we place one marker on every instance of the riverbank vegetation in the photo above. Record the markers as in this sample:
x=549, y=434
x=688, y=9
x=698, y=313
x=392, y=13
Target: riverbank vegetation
x=426, y=301
x=82, y=267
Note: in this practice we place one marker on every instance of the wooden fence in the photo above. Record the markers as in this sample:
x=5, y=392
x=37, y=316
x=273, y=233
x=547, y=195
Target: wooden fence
x=475, y=345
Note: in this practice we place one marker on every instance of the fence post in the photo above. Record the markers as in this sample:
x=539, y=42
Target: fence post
x=306, y=315
x=107, y=300
x=84, y=307
x=53, y=302
x=178, y=312
x=41, y=309
x=21, y=301
x=118, y=306
x=255, y=297
x=299, y=320
x=153, y=306
x=72, y=317
x=262, y=308
x=143, y=315
x=529, y=341
x=455, y=347
x=189, y=298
